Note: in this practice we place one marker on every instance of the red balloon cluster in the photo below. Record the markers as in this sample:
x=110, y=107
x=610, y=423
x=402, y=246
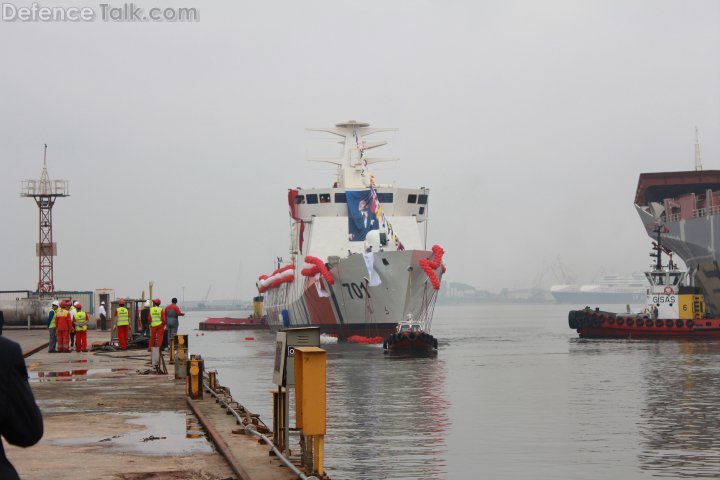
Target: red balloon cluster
x=278, y=277
x=429, y=266
x=364, y=340
x=315, y=265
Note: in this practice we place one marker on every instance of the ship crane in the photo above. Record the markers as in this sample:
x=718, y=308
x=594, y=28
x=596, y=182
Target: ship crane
x=203, y=303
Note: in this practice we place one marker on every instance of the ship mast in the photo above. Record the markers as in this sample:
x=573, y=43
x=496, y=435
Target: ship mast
x=698, y=153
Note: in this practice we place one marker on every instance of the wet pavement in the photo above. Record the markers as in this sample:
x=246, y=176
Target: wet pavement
x=107, y=415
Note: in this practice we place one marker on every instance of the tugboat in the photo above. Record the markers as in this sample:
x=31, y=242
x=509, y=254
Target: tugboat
x=410, y=336
x=672, y=310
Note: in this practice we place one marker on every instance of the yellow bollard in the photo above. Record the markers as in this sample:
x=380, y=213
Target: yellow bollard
x=310, y=400
x=179, y=355
x=212, y=380
x=193, y=382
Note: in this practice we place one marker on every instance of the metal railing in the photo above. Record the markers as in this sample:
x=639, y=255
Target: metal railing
x=252, y=430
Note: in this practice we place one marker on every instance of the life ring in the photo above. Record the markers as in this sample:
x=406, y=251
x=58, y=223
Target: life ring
x=640, y=322
x=630, y=322
x=668, y=290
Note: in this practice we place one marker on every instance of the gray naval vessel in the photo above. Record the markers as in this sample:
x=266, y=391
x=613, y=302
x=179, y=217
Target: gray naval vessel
x=359, y=262
x=686, y=206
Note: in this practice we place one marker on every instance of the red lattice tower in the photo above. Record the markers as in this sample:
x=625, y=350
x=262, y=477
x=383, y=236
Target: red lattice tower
x=45, y=192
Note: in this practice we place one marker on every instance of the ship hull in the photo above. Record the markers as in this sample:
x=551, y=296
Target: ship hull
x=599, y=324
x=350, y=306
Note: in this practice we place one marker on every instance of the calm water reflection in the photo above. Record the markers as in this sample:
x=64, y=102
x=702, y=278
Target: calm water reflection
x=513, y=393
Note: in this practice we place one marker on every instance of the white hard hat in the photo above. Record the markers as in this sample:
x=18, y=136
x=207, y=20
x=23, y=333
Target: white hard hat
x=147, y=303
x=75, y=304
x=102, y=303
x=56, y=303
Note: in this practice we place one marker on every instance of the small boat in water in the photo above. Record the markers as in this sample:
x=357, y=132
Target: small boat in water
x=227, y=323
x=673, y=310
x=410, y=336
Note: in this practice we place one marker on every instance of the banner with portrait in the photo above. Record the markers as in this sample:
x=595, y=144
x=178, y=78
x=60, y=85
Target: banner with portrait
x=361, y=217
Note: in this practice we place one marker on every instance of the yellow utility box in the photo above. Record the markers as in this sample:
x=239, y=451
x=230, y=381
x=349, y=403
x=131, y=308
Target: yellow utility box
x=310, y=390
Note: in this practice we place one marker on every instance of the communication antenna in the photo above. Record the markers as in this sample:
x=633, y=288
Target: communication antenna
x=45, y=192
x=698, y=153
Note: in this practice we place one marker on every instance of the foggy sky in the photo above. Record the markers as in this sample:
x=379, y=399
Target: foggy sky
x=529, y=122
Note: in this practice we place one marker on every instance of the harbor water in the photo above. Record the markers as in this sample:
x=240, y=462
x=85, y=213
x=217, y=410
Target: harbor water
x=512, y=393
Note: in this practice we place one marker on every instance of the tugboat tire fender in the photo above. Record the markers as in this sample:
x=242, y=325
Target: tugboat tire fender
x=690, y=323
x=630, y=322
x=640, y=322
x=679, y=323
x=620, y=320
x=412, y=336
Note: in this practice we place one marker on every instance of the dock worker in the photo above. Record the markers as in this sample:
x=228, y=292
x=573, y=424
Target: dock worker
x=172, y=320
x=21, y=422
x=52, y=343
x=63, y=326
x=80, y=320
x=103, y=316
x=145, y=318
x=122, y=324
x=73, y=308
x=157, y=325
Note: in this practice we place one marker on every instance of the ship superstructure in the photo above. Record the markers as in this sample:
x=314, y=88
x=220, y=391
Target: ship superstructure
x=358, y=260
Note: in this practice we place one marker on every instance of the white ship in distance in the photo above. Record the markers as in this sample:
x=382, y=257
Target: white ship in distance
x=358, y=261
x=609, y=289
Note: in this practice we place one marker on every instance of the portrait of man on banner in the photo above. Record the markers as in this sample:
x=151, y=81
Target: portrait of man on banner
x=361, y=218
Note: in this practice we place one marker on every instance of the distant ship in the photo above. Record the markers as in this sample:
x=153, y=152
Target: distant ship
x=610, y=289
x=359, y=262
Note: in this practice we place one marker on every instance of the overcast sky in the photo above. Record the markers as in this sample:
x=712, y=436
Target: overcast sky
x=529, y=121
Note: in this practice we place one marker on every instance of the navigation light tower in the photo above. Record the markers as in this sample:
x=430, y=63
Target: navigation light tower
x=45, y=192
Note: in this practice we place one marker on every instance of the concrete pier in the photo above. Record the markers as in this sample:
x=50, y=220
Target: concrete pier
x=107, y=415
